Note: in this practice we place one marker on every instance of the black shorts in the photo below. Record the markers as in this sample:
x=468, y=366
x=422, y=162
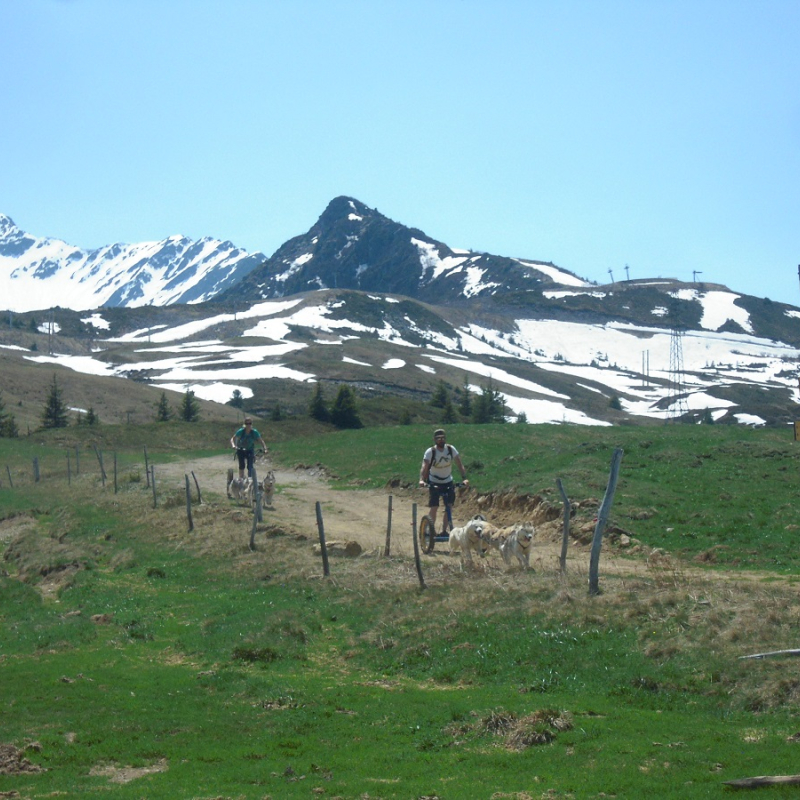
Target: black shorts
x=246, y=457
x=447, y=491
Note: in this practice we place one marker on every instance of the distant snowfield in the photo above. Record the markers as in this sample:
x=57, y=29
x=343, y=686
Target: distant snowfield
x=614, y=360
x=718, y=308
x=216, y=392
x=554, y=273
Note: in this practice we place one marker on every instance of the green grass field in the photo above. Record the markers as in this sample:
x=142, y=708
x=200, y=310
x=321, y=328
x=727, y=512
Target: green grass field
x=139, y=660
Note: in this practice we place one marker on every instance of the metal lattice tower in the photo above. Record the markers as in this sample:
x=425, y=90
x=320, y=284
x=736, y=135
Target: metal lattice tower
x=677, y=391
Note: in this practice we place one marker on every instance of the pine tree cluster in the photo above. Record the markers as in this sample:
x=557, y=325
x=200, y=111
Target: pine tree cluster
x=344, y=411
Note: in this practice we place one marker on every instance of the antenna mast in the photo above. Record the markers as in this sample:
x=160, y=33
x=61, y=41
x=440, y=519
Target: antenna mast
x=676, y=396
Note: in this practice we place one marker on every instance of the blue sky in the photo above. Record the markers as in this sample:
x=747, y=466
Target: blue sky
x=595, y=134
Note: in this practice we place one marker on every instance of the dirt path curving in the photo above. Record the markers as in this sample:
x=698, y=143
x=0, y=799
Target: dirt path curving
x=348, y=514
x=362, y=515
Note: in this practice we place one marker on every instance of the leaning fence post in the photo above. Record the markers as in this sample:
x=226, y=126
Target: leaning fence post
x=8, y=472
x=100, y=461
x=256, y=510
x=416, y=545
x=189, y=503
x=388, y=530
x=197, y=484
x=153, y=483
x=325, y=567
x=562, y=562
x=602, y=518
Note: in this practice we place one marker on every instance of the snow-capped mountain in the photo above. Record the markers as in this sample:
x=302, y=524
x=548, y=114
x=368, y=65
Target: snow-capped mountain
x=352, y=246
x=39, y=273
x=364, y=300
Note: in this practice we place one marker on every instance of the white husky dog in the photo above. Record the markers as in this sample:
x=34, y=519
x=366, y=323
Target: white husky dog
x=241, y=489
x=519, y=544
x=267, y=487
x=469, y=537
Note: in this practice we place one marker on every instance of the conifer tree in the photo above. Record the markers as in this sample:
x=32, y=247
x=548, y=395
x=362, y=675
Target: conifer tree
x=441, y=396
x=317, y=409
x=163, y=411
x=8, y=425
x=344, y=412
x=54, y=414
x=465, y=404
x=91, y=417
x=449, y=415
x=190, y=408
x=237, y=399
x=488, y=406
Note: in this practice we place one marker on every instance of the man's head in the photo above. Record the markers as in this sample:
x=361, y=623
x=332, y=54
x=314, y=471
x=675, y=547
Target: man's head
x=248, y=421
x=438, y=436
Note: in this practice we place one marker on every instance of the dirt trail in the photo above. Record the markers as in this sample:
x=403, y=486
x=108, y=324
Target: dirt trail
x=359, y=515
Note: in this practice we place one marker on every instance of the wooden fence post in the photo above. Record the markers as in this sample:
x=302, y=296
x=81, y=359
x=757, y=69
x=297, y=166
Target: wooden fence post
x=100, y=462
x=562, y=562
x=416, y=546
x=602, y=519
x=189, y=503
x=153, y=483
x=8, y=472
x=197, y=484
x=36, y=469
x=115, y=472
x=388, y=530
x=256, y=496
x=256, y=510
x=146, y=467
x=326, y=571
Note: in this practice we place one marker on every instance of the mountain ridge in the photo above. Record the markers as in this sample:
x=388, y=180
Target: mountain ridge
x=362, y=299
x=352, y=246
x=39, y=273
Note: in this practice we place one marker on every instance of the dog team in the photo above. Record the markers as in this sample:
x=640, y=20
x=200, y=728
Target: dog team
x=244, y=441
x=477, y=535
x=480, y=536
x=242, y=489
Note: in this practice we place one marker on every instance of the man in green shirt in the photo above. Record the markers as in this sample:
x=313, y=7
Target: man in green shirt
x=245, y=440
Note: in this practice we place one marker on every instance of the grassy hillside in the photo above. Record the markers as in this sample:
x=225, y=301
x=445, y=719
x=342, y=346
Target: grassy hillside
x=141, y=660
x=117, y=401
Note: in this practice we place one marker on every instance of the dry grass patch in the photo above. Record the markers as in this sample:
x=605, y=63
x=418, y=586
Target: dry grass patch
x=518, y=733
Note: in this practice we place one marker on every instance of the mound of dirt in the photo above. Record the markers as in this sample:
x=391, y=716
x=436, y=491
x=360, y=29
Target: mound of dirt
x=13, y=761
